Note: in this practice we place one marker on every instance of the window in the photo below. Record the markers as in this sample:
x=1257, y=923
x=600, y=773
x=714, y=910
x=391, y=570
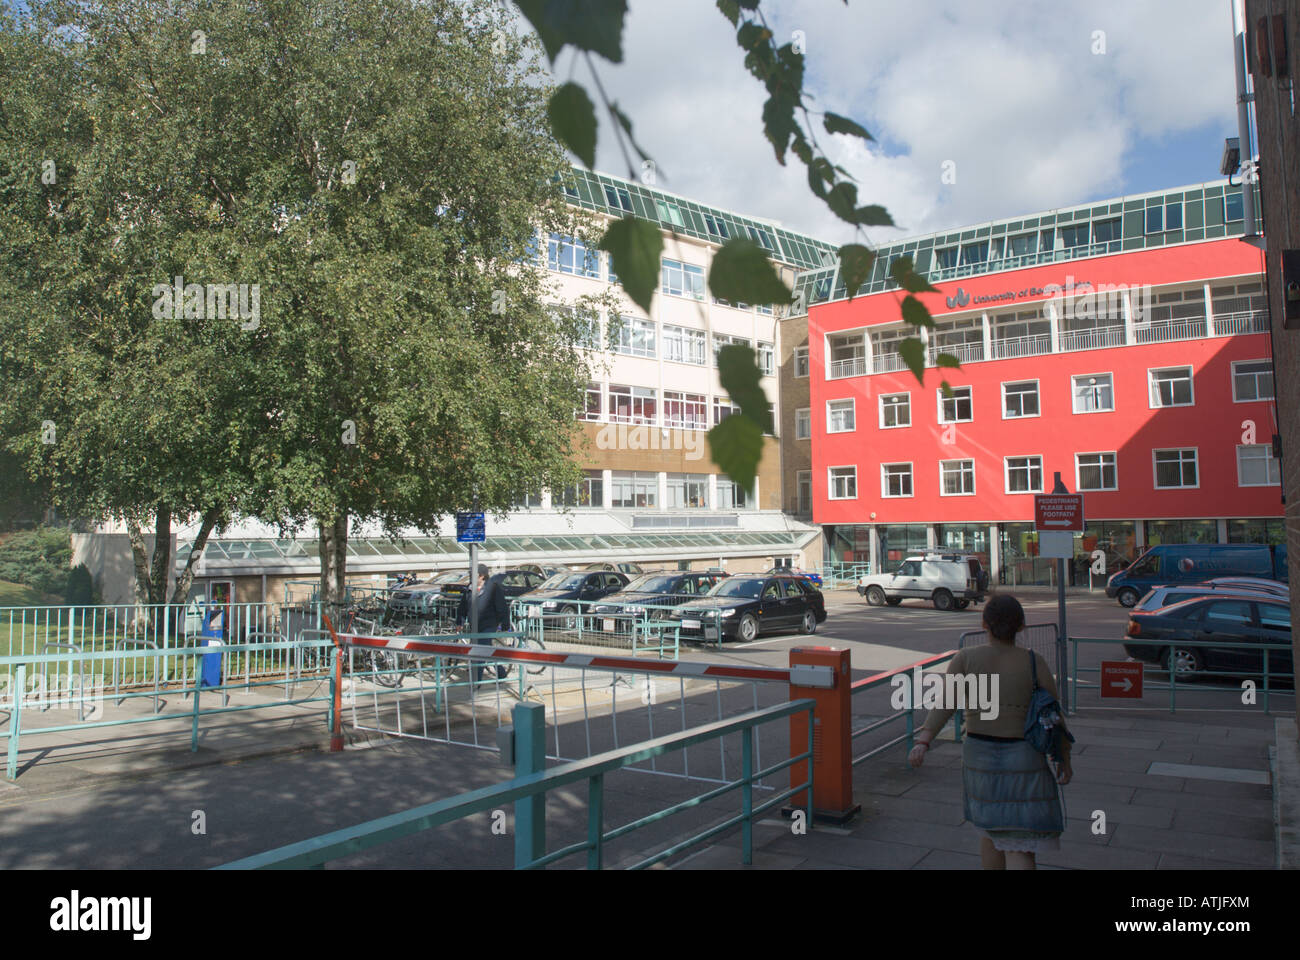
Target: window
x=716, y=226
x=683, y=279
x=803, y=480
x=803, y=424
x=628, y=489
x=684, y=345
x=1020, y=399
x=895, y=479
x=801, y=361
x=1155, y=219
x=1047, y=240
x=1095, y=471
x=526, y=501
x=688, y=491
x=1175, y=468
x=895, y=410
x=843, y=483
x=1174, y=216
x=839, y=416
x=1228, y=615
x=1105, y=231
x=1233, y=207
x=957, y=408
x=1252, y=380
x=956, y=477
x=588, y=493
x=766, y=359
x=589, y=326
x=594, y=404
x=1171, y=387
x=570, y=255
x=1093, y=393
x=945, y=258
x=631, y=404
x=687, y=410
x=1023, y=244
x=636, y=337
x=721, y=340
x=1257, y=467
x=972, y=253
x=670, y=213
x=731, y=495
x=618, y=197
x=723, y=408
x=1024, y=474
x=1274, y=616
x=1076, y=236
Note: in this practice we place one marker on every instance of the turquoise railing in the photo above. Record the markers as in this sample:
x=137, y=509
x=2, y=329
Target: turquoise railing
x=907, y=715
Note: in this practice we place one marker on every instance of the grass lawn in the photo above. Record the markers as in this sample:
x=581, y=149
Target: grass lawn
x=21, y=595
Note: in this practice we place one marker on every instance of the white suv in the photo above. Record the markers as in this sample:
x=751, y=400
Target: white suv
x=948, y=581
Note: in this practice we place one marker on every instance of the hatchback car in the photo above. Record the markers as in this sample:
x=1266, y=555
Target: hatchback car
x=1169, y=594
x=1154, y=637
x=751, y=605
x=565, y=593
x=648, y=592
x=422, y=597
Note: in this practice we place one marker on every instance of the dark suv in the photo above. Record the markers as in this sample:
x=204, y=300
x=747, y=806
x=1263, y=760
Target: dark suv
x=663, y=588
x=749, y=605
x=564, y=593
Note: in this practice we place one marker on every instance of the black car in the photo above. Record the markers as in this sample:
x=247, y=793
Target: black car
x=750, y=605
x=659, y=589
x=565, y=593
x=513, y=582
x=1153, y=636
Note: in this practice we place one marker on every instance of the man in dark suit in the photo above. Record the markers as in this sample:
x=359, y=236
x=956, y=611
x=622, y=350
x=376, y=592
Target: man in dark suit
x=493, y=609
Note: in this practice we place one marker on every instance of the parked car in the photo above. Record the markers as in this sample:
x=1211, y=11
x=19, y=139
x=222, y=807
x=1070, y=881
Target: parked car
x=629, y=568
x=1168, y=594
x=660, y=589
x=545, y=571
x=565, y=593
x=945, y=580
x=1251, y=583
x=514, y=582
x=753, y=604
x=1186, y=563
x=422, y=597
x=1153, y=636
x=815, y=578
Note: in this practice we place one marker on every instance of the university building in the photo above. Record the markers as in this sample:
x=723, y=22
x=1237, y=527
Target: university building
x=1123, y=345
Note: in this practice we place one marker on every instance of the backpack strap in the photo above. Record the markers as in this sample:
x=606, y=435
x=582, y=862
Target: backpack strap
x=1033, y=668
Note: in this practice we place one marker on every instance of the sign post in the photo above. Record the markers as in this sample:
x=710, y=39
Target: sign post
x=1058, y=516
x=470, y=529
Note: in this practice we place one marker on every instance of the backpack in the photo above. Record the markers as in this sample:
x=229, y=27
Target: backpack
x=1044, y=725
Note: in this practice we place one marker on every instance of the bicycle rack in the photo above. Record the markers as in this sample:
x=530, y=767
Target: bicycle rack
x=81, y=674
x=117, y=680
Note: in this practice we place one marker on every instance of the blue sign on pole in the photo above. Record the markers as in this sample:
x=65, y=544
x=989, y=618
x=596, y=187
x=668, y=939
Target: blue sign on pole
x=470, y=528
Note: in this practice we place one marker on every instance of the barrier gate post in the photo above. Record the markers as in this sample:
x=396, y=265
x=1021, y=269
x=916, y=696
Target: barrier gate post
x=832, y=736
x=530, y=757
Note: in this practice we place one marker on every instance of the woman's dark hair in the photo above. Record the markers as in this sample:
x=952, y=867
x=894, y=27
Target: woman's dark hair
x=1004, y=616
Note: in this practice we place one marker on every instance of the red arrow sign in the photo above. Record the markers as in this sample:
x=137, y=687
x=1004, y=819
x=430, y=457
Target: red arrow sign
x=1121, y=679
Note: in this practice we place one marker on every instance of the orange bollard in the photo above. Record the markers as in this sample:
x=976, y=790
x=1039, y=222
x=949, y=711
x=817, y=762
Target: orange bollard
x=832, y=737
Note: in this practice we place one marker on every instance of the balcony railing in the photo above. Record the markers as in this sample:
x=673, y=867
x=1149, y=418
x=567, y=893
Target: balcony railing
x=851, y=367
x=887, y=363
x=1163, y=331
x=964, y=352
x=1094, y=339
x=1254, y=321
x=1030, y=346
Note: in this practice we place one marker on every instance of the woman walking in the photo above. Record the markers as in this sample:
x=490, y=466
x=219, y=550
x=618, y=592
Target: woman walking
x=1010, y=792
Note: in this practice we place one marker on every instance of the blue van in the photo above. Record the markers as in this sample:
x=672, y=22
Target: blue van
x=1195, y=563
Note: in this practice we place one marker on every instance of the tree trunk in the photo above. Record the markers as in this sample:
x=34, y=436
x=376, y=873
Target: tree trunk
x=162, y=555
x=333, y=562
x=186, y=579
x=140, y=558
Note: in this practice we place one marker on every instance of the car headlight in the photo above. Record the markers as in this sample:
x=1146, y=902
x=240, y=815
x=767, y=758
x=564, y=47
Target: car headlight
x=728, y=613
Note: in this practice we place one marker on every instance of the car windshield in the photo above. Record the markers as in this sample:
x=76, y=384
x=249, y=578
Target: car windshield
x=737, y=588
x=565, y=581
x=651, y=583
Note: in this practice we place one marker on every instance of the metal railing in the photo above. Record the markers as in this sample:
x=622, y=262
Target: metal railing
x=843, y=573
x=1165, y=331
x=1250, y=321
x=1095, y=339
x=648, y=629
x=851, y=367
x=1187, y=684
x=966, y=352
x=529, y=790
x=1031, y=346
x=887, y=362
x=904, y=715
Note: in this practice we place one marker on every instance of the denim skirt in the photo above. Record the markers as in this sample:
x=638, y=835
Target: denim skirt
x=1011, y=795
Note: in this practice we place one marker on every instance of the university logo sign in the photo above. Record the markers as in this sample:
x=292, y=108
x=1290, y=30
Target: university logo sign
x=960, y=300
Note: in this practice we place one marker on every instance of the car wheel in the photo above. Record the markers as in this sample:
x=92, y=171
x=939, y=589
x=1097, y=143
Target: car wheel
x=893, y=601
x=809, y=622
x=570, y=622
x=748, y=628
x=1128, y=597
x=1186, y=663
x=962, y=604
x=875, y=596
x=942, y=600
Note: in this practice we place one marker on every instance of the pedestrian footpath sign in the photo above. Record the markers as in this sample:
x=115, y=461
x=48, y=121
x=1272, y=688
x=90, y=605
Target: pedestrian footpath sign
x=470, y=528
x=1121, y=679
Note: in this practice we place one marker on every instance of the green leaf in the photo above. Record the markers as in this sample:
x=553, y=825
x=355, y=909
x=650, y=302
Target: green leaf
x=731, y=10
x=947, y=360
x=779, y=123
x=855, y=265
x=741, y=271
x=843, y=201
x=635, y=246
x=573, y=121
x=914, y=312
x=595, y=25
x=873, y=216
x=901, y=270
x=838, y=124
x=913, y=354
x=736, y=445
x=740, y=377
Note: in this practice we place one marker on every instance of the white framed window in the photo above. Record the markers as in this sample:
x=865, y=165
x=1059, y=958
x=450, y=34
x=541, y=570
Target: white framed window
x=895, y=410
x=636, y=337
x=803, y=424
x=632, y=404
x=682, y=279
x=1175, y=468
x=896, y=480
x=1093, y=392
x=956, y=478
x=1252, y=380
x=959, y=408
x=839, y=416
x=1095, y=471
x=1257, y=467
x=803, y=481
x=767, y=359
x=843, y=483
x=1024, y=474
x=1171, y=387
x=721, y=340
x=595, y=403
x=687, y=410
x=688, y=491
x=637, y=490
x=570, y=255
x=723, y=408
x=1020, y=399
x=731, y=495
x=801, y=361
x=683, y=345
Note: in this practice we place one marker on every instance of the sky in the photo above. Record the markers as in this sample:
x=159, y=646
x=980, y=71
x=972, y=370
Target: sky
x=1033, y=105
